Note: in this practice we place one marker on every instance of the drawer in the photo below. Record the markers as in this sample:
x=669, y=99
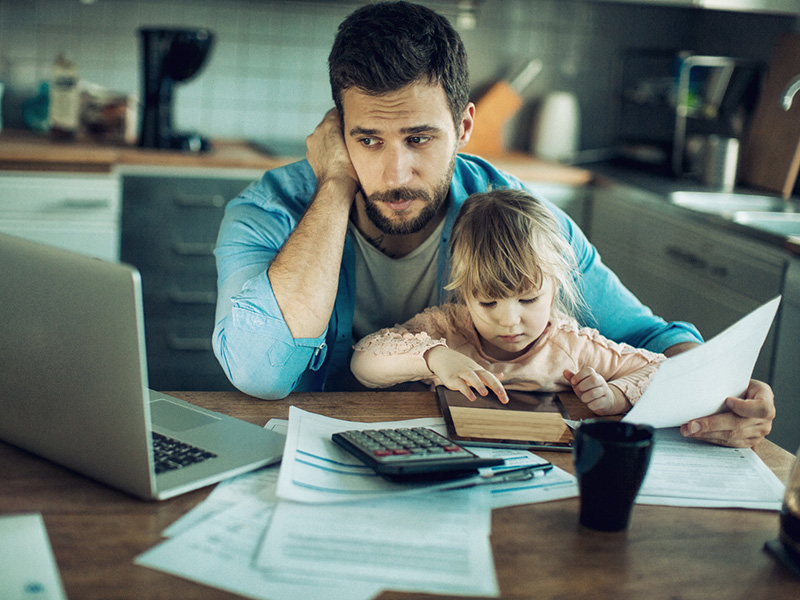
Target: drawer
x=96, y=239
x=180, y=356
x=61, y=196
x=165, y=252
x=176, y=303
x=705, y=255
x=190, y=207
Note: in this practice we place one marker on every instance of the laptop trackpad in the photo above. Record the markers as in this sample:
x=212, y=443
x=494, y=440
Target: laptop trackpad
x=176, y=417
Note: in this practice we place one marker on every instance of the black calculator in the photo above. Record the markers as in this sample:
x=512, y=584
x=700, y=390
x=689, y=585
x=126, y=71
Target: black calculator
x=412, y=454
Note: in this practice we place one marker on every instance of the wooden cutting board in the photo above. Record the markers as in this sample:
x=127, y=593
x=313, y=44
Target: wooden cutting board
x=770, y=154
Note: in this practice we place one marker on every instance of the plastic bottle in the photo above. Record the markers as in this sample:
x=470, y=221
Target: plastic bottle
x=64, y=99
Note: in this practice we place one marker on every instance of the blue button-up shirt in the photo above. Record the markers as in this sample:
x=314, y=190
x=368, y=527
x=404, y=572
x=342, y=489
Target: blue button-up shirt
x=253, y=343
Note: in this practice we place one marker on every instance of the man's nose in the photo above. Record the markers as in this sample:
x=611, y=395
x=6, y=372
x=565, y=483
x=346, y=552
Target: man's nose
x=397, y=166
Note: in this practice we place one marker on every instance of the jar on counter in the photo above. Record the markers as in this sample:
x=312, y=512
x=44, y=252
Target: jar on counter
x=65, y=100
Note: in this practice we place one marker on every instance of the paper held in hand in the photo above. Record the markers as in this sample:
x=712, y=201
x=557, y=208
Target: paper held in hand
x=696, y=383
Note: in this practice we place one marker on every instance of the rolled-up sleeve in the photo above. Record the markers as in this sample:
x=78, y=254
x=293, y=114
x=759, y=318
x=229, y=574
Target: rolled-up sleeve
x=251, y=339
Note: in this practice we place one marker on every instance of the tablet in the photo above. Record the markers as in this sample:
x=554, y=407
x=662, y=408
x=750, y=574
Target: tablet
x=531, y=420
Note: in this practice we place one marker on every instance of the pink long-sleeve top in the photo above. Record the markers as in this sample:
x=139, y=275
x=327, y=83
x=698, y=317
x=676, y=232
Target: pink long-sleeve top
x=397, y=354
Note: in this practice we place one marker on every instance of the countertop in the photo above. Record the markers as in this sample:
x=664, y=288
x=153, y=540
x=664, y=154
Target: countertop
x=659, y=188
x=22, y=150
x=27, y=151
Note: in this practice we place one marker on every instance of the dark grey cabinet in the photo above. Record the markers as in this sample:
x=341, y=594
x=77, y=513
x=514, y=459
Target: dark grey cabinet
x=169, y=229
x=682, y=269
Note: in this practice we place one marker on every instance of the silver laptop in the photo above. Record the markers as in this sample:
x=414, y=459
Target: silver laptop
x=73, y=381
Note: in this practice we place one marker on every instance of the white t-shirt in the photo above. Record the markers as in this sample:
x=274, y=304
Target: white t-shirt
x=392, y=290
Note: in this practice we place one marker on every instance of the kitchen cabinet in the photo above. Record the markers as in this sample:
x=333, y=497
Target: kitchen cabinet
x=786, y=372
x=683, y=269
x=170, y=222
x=573, y=200
x=754, y=6
x=78, y=212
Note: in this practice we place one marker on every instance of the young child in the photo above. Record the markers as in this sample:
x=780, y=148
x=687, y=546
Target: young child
x=512, y=319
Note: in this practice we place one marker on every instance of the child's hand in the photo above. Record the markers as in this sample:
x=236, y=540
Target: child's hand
x=594, y=392
x=460, y=373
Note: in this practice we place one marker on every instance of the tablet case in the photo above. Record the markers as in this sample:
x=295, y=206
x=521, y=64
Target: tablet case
x=530, y=420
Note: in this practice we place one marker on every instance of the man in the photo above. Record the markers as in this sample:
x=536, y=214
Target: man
x=354, y=238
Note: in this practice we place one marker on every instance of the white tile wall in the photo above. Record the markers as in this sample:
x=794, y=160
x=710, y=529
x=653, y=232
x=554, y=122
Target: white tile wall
x=267, y=75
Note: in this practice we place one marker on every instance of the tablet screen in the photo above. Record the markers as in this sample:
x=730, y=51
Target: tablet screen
x=529, y=420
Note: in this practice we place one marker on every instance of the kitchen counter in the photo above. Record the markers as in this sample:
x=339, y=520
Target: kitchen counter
x=22, y=150
x=26, y=151
x=657, y=189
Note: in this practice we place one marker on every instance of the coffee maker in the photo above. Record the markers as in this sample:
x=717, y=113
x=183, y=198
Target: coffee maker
x=169, y=56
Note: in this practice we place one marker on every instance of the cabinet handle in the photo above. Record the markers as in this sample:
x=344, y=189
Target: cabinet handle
x=688, y=258
x=719, y=271
x=199, y=344
x=82, y=204
x=193, y=248
x=199, y=200
x=192, y=297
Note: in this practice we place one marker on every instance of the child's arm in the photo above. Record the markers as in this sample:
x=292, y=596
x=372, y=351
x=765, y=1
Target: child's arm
x=391, y=356
x=460, y=373
x=594, y=391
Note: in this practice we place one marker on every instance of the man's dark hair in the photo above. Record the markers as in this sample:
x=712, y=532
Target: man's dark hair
x=383, y=47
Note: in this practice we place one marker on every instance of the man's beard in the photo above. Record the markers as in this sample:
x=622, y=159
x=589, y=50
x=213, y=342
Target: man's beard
x=430, y=210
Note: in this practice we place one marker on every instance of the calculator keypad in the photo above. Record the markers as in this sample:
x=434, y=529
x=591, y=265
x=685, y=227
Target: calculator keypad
x=397, y=445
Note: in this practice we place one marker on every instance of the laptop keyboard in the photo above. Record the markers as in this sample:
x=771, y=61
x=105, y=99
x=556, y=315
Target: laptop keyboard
x=171, y=454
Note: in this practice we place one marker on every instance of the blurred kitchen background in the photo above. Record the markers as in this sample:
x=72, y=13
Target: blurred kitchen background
x=266, y=77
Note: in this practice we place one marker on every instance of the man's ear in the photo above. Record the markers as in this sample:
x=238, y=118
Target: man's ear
x=465, y=129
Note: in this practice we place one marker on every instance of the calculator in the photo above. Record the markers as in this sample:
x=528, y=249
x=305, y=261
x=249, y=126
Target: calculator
x=412, y=454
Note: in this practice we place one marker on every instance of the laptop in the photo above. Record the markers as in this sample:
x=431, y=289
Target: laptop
x=73, y=381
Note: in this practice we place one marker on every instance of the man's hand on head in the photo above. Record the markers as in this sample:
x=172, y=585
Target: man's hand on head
x=327, y=153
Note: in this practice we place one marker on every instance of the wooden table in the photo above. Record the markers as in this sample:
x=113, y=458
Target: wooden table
x=540, y=550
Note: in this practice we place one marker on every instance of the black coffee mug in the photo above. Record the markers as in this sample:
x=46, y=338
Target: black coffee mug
x=611, y=460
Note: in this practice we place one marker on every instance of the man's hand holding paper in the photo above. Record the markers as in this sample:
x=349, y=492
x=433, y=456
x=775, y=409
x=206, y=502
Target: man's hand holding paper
x=708, y=391
x=744, y=422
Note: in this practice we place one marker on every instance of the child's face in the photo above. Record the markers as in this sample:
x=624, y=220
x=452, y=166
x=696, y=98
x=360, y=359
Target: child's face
x=509, y=326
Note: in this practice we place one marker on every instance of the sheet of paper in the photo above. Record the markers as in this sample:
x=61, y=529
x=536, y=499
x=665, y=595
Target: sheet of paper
x=314, y=469
x=434, y=542
x=255, y=485
x=687, y=472
x=27, y=566
x=695, y=384
x=220, y=552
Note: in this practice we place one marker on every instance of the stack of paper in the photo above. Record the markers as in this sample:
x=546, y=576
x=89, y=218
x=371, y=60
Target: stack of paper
x=323, y=526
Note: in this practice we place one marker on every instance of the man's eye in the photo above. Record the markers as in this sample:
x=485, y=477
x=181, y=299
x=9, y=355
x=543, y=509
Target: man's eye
x=368, y=141
x=416, y=140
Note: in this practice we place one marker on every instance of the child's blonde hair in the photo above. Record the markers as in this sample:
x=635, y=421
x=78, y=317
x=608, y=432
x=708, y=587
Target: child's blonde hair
x=505, y=242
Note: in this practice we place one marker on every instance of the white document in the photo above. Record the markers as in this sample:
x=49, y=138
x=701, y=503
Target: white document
x=219, y=553
x=433, y=543
x=27, y=566
x=315, y=469
x=687, y=472
x=259, y=484
x=256, y=485
x=696, y=383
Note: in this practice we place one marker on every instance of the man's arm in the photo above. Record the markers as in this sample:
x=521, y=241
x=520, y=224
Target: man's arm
x=305, y=273
x=278, y=259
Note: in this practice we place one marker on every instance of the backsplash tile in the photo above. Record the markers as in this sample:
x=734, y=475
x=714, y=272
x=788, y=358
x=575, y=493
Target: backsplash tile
x=267, y=74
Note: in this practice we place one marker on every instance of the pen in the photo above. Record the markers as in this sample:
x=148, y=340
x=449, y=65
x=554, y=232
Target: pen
x=513, y=474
